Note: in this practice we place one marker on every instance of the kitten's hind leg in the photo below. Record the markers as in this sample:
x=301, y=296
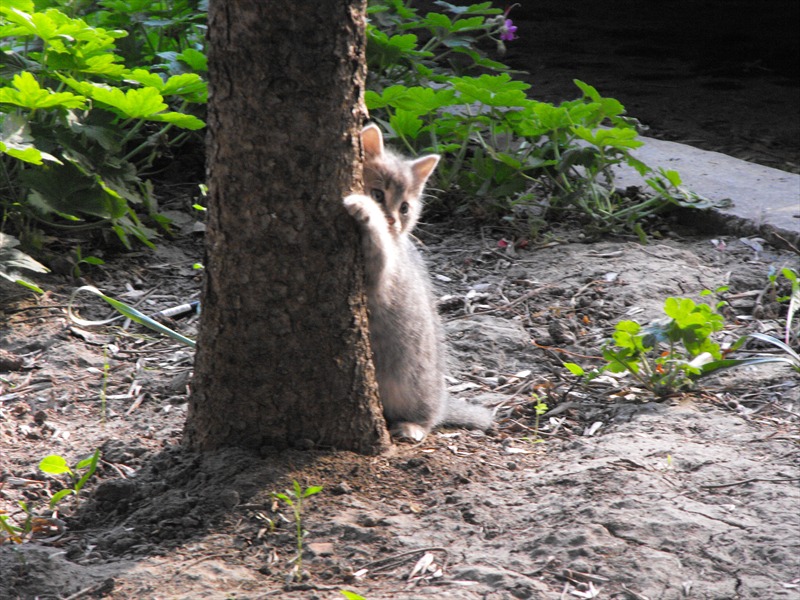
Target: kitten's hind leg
x=405, y=430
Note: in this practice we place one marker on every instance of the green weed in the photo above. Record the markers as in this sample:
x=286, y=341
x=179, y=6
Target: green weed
x=18, y=529
x=540, y=408
x=671, y=354
x=506, y=151
x=78, y=126
x=79, y=259
x=294, y=499
x=57, y=465
x=667, y=355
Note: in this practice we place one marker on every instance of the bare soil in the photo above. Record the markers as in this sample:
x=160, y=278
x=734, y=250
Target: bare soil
x=617, y=494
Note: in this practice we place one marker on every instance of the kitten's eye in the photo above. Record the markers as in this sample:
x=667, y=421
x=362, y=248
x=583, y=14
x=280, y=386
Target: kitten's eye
x=377, y=195
x=404, y=208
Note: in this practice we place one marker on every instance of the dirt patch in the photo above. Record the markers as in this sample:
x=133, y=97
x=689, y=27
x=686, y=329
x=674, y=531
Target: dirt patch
x=696, y=496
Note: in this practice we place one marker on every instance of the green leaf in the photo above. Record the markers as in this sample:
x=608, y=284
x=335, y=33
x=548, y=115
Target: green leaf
x=16, y=140
x=88, y=462
x=470, y=24
x=388, y=97
x=672, y=176
x=127, y=311
x=422, y=100
x=609, y=138
x=311, y=490
x=181, y=120
x=185, y=84
x=26, y=284
x=575, y=369
x=133, y=104
x=91, y=464
x=588, y=90
x=28, y=94
x=493, y=90
x=145, y=77
x=621, y=361
x=406, y=124
x=284, y=497
x=59, y=496
x=29, y=155
x=194, y=58
x=404, y=43
x=104, y=64
x=54, y=465
x=22, y=5
x=437, y=21
x=67, y=191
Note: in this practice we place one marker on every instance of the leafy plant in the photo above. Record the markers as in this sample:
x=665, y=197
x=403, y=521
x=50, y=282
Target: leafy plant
x=673, y=353
x=57, y=465
x=167, y=34
x=294, y=499
x=77, y=126
x=406, y=47
x=506, y=150
x=17, y=529
x=667, y=355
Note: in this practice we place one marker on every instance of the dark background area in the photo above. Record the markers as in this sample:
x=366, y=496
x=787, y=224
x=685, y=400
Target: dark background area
x=718, y=74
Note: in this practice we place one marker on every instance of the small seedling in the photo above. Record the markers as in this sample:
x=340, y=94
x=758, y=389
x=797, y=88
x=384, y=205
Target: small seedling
x=80, y=259
x=540, y=408
x=17, y=529
x=57, y=465
x=294, y=499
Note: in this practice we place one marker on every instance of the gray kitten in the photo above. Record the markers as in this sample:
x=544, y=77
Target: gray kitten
x=405, y=331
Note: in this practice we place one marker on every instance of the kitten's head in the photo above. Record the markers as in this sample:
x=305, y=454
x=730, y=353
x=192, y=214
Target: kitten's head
x=393, y=181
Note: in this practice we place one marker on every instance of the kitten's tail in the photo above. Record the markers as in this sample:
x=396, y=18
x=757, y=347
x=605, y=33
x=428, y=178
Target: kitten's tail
x=461, y=413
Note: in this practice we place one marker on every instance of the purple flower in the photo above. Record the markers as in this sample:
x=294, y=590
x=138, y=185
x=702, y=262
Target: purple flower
x=508, y=31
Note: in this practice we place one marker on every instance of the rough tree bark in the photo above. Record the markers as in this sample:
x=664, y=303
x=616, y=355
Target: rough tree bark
x=283, y=354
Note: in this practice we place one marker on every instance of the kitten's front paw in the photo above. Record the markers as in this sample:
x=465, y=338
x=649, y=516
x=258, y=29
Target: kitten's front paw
x=358, y=206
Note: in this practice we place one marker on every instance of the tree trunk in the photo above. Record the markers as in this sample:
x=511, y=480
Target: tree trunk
x=283, y=352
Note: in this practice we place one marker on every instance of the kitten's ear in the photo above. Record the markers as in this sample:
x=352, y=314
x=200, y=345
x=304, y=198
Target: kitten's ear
x=372, y=140
x=423, y=167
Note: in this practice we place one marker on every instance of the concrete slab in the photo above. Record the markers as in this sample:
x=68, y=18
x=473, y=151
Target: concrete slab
x=766, y=201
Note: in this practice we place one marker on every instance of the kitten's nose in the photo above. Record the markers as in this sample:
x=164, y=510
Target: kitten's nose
x=390, y=220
